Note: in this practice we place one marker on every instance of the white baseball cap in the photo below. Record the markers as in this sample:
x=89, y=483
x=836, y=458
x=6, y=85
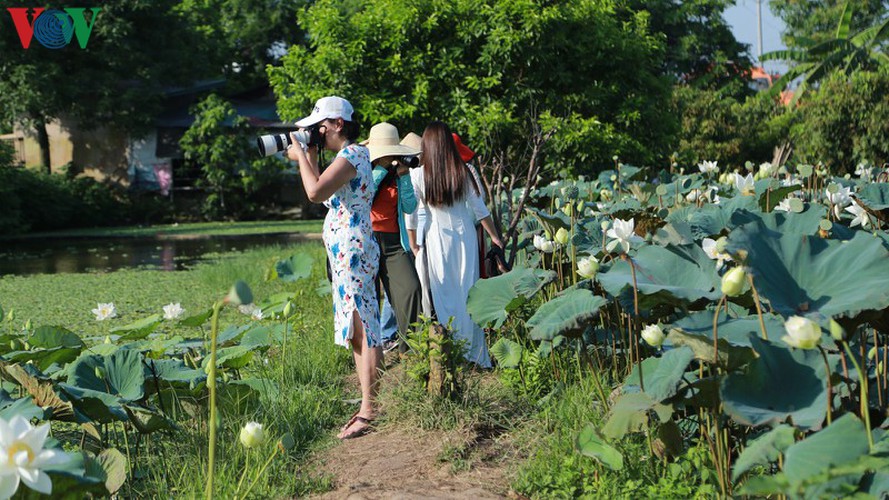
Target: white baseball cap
x=327, y=108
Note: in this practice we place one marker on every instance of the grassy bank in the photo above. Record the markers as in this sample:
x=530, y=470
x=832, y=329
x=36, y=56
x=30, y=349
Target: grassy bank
x=197, y=229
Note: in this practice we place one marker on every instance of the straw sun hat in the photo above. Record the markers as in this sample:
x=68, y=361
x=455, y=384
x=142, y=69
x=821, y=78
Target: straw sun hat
x=383, y=141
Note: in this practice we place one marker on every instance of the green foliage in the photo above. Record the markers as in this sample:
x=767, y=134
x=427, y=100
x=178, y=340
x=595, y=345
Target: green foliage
x=221, y=142
x=845, y=122
x=494, y=69
x=817, y=19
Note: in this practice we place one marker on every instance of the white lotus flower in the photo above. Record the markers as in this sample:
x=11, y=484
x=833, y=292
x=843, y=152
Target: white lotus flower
x=784, y=205
x=766, y=169
x=861, y=215
x=840, y=199
x=22, y=457
x=709, y=246
x=588, y=267
x=693, y=195
x=733, y=281
x=654, y=335
x=173, y=311
x=864, y=171
x=561, y=236
x=105, y=311
x=744, y=184
x=256, y=314
x=252, y=435
x=707, y=167
x=802, y=333
x=542, y=244
x=791, y=181
x=622, y=232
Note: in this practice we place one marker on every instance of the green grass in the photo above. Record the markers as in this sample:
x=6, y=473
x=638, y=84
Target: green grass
x=199, y=229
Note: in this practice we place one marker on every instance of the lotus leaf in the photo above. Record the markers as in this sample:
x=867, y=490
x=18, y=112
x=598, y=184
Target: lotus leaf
x=808, y=275
x=239, y=294
x=675, y=275
x=491, y=300
x=675, y=234
x=123, y=378
x=736, y=331
x=295, y=267
x=769, y=199
x=630, y=413
x=80, y=476
x=42, y=394
x=874, y=195
x=566, y=314
x=840, y=443
x=49, y=337
x=780, y=383
x=711, y=220
x=551, y=222
x=764, y=450
x=114, y=463
x=139, y=329
x=508, y=353
x=98, y=406
x=234, y=358
x=23, y=407
x=263, y=336
x=173, y=371
x=662, y=375
x=591, y=444
x=44, y=358
x=197, y=319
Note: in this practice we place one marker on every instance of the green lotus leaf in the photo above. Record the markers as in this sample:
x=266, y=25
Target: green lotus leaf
x=49, y=337
x=551, y=222
x=508, y=353
x=840, y=443
x=197, y=319
x=736, y=331
x=139, y=329
x=80, y=476
x=98, y=406
x=764, y=450
x=676, y=234
x=235, y=358
x=491, y=300
x=675, y=275
x=780, y=384
x=591, y=444
x=569, y=313
x=808, y=275
x=711, y=220
x=44, y=358
x=173, y=371
x=295, y=267
x=630, y=414
x=588, y=237
x=770, y=199
x=662, y=375
x=23, y=407
x=114, y=463
x=874, y=195
x=123, y=374
x=103, y=349
x=730, y=356
x=263, y=336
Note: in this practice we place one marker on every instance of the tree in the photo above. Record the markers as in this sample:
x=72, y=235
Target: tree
x=136, y=50
x=814, y=20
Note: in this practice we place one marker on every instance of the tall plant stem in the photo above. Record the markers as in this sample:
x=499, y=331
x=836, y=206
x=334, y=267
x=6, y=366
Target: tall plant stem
x=762, y=323
x=716, y=331
x=880, y=386
x=635, y=323
x=829, y=386
x=261, y=471
x=862, y=383
x=211, y=384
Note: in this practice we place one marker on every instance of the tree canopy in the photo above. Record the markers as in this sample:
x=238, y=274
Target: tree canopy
x=816, y=20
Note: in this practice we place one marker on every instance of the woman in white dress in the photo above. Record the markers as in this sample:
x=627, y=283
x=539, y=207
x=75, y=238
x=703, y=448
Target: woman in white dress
x=450, y=198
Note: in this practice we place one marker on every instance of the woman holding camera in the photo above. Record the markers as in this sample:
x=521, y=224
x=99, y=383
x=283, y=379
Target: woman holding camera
x=451, y=199
x=346, y=188
x=393, y=198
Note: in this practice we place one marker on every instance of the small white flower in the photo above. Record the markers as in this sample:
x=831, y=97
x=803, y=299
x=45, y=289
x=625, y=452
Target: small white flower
x=173, y=311
x=252, y=435
x=709, y=246
x=840, y=199
x=588, y=267
x=653, y=335
x=542, y=244
x=802, y=333
x=623, y=233
x=105, y=311
x=790, y=181
x=23, y=458
x=766, y=169
x=707, y=167
x=861, y=215
x=864, y=171
x=256, y=315
x=784, y=206
x=744, y=184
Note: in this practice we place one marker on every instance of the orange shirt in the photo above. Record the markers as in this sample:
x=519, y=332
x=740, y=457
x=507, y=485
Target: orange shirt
x=384, y=211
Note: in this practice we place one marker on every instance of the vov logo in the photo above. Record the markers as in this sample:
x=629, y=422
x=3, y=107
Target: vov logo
x=53, y=28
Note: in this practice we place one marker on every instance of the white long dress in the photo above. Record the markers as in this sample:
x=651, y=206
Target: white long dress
x=449, y=258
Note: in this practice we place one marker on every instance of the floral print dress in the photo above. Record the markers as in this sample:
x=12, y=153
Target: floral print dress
x=352, y=251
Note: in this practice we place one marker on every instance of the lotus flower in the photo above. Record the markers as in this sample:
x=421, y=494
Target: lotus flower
x=710, y=248
x=588, y=267
x=23, y=458
x=861, y=216
x=802, y=333
x=733, y=281
x=623, y=235
x=256, y=314
x=766, y=169
x=252, y=435
x=105, y=311
x=840, y=199
x=784, y=206
x=543, y=244
x=653, y=335
x=864, y=171
x=707, y=167
x=744, y=184
x=173, y=311
x=561, y=236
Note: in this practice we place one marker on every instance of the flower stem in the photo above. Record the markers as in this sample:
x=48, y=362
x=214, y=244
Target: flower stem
x=243, y=474
x=716, y=331
x=829, y=386
x=862, y=383
x=211, y=384
x=261, y=471
x=635, y=323
x=762, y=324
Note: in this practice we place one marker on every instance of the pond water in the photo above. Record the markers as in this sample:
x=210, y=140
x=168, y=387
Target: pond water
x=80, y=255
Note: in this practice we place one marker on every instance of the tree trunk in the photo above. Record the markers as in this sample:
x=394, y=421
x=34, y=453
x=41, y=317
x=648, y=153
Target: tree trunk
x=43, y=141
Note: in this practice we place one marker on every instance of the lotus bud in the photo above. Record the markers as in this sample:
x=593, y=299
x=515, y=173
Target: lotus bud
x=606, y=225
x=802, y=333
x=557, y=203
x=653, y=335
x=10, y=316
x=733, y=281
x=568, y=209
x=580, y=205
x=107, y=339
x=100, y=373
x=27, y=346
x=225, y=376
x=872, y=353
x=547, y=235
x=562, y=236
x=288, y=308
x=252, y=435
x=837, y=331
x=613, y=178
x=588, y=267
x=28, y=325
x=721, y=243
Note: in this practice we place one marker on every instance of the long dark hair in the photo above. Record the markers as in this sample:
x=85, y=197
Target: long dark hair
x=446, y=174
